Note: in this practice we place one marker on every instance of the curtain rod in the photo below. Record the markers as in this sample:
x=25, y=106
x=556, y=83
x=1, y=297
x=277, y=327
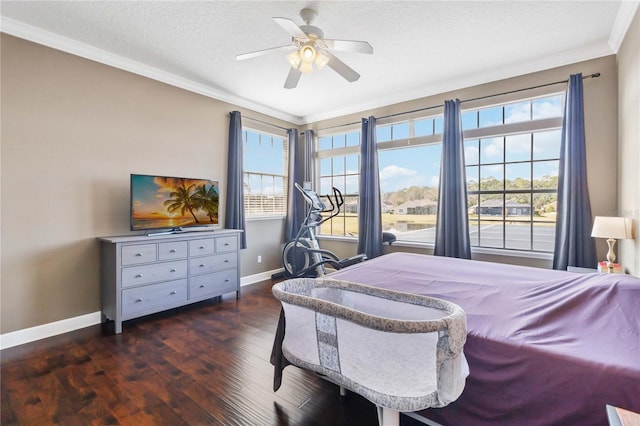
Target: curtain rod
x=265, y=122
x=594, y=75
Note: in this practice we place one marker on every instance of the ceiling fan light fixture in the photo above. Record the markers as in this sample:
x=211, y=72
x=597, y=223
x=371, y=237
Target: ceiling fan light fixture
x=294, y=59
x=305, y=66
x=321, y=59
x=311, y=50
x=308, y=53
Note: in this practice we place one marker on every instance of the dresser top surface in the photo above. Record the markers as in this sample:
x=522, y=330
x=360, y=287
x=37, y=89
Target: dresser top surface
x=188, y=235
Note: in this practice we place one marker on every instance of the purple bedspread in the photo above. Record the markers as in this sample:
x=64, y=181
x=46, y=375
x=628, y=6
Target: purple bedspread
x=544, y=347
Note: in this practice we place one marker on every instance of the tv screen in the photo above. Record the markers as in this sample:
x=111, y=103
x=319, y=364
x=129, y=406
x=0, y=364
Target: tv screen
x=164, y=202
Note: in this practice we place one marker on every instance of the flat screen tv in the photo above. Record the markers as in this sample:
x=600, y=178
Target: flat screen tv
x=173, y=203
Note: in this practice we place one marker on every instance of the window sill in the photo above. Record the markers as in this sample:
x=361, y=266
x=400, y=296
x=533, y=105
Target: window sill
x=512, y=253
x=259, y=218
x=474, y=250
x=337, y=238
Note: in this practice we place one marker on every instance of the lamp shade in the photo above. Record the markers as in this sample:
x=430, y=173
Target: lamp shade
x=611, y=227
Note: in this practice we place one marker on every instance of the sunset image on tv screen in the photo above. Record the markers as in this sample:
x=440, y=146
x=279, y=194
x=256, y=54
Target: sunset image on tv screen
x=171, y=202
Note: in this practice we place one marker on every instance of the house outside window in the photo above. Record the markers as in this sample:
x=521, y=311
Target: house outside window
x=265, y=173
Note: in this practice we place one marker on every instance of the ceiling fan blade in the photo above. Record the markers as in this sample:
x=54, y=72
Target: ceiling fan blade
x=290, y=27
x=250, y=55
x=292, y=79
x=354, y=46
x=343, y=69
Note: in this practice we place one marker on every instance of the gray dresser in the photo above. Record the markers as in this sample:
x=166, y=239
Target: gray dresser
x=141, y=275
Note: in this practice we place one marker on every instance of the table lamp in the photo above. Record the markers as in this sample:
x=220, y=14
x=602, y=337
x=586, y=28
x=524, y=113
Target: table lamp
x=611, y=228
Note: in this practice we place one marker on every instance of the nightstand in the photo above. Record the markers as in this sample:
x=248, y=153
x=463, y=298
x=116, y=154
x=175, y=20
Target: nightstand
x=621, y=417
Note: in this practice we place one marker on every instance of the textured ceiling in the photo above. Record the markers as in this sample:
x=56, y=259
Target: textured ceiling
x=420, y=47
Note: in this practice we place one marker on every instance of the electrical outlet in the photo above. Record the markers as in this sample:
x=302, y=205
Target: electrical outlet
x=259, y=259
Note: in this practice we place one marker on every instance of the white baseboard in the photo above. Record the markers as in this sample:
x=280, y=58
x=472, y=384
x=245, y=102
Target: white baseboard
x=43, y=331
x=27, y=335
x=256, y=278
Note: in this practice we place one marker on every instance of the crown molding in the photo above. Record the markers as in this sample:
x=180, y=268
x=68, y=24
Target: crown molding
x=624, y=18
x=64, y=44
x=474, y=79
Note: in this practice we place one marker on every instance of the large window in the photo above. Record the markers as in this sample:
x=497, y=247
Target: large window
x=512, y=173
x=265, y=173
x=511, y=154
x=409, y=161
x=338, y=166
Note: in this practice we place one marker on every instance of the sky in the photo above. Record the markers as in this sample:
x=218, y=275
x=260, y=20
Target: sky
x=420, y=165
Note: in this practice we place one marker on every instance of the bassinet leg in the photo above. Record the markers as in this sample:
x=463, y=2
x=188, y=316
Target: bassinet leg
x=388, y=417
x=343, y=391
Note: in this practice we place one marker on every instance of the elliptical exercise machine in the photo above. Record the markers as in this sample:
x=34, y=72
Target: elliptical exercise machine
x=303, y=257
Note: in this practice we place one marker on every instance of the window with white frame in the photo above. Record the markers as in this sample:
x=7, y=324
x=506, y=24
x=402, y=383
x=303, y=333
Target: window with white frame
x=511, y=154
x=512, y=157
x=265, y=173
x=409, y=156
x=338, y=158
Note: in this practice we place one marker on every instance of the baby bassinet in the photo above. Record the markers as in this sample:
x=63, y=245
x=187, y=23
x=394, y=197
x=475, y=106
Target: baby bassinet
x=401, y=351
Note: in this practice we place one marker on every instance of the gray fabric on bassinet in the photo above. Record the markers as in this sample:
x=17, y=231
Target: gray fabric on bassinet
x=399, y=350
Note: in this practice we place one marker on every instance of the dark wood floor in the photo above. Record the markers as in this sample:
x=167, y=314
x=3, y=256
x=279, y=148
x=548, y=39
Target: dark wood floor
x=203, y=364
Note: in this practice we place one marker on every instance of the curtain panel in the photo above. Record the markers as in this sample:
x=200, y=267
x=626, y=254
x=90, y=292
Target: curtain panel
x=452, y=226
x=234, y=213
x=573, y=244
x=369, y=213
x=308, y=169
x=296, y=174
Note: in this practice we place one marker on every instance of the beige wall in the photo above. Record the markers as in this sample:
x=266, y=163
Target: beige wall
x=72, y=132
x=600, y=101
x=629, y=144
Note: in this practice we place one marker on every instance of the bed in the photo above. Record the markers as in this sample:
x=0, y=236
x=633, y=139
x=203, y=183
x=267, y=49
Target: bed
x=544, y=347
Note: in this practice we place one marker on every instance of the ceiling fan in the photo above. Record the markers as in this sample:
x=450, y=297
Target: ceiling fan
x=310, y=48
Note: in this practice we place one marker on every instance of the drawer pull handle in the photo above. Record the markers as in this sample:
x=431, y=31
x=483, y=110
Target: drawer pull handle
x=172, y=251
x=201, y=285
x=138, y=276
x=201, y=265
x=226, y=261
x=226, y=244
x=172, y=270
x=172, y=293
x=138, y=254
x=227, y=280
x=138, y=300
x=201, y=247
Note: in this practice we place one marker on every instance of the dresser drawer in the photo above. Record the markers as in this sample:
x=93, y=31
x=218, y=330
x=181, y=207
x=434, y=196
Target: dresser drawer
x=142, y=253
x=215, y=284
x=172, y=250
x=206, y=264
x=201, y=246
x=226, y=244
x=165, y=271
x=152, y=298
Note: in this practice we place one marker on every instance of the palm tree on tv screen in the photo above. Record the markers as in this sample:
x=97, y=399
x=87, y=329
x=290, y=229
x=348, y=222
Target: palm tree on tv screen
x=207, y=200
x=182, y=200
